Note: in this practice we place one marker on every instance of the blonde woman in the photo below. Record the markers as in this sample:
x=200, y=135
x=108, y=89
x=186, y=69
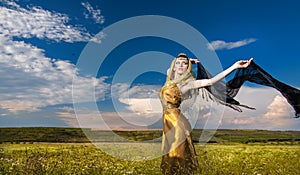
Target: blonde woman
x=179, y=156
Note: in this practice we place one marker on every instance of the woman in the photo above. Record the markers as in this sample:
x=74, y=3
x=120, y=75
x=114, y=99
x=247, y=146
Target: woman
x=179, y=156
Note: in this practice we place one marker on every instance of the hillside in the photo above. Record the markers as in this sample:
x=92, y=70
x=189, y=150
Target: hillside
x=48, y=134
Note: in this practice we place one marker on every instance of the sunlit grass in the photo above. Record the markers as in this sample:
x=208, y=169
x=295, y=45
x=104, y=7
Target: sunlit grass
x=87, y=159
x=249, y=159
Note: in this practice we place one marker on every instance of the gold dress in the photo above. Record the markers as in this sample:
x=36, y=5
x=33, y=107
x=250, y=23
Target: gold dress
x=179, y=156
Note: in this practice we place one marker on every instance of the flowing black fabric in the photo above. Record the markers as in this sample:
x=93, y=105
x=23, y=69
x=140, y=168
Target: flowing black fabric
x=225, y=92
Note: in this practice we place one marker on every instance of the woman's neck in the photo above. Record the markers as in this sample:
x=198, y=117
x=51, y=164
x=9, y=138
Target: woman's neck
x=177, y=76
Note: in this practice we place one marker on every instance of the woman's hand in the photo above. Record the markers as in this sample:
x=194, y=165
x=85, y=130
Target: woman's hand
x=243, y=63
x=194, y=60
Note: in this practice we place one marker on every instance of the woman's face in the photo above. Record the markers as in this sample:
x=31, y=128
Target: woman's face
x=181, y=65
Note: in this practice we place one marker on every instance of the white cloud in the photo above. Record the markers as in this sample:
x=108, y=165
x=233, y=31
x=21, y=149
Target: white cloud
x=29, y=22
x=87, y=118
x=279, y=108
x=141, y=99
x=93, y=13
x=141, y=102
x=143, y=106
x=29, y=80
x=137, y=108
x=272, y=111
x=219, y=44
x=9, y=3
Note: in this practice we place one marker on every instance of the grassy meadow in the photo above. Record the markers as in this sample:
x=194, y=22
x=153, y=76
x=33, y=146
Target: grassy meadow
x=252, y=159
x=68, y=151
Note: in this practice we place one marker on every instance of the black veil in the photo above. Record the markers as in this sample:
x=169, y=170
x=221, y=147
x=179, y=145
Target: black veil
x=224, y=92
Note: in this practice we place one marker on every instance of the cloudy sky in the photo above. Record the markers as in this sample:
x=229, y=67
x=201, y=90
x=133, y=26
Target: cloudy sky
x=50, y=76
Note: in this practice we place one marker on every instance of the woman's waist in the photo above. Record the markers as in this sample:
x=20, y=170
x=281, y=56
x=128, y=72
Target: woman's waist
x=171, y=106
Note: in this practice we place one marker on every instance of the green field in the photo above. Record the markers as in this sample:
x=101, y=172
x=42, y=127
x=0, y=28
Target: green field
x=69, y=151
x=87, y=159
x=77, y=135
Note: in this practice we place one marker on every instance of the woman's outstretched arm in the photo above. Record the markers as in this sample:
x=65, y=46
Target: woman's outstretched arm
x=208, y=82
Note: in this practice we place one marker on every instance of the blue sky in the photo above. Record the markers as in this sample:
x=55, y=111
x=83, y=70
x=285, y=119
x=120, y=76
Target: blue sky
x=42, y=42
